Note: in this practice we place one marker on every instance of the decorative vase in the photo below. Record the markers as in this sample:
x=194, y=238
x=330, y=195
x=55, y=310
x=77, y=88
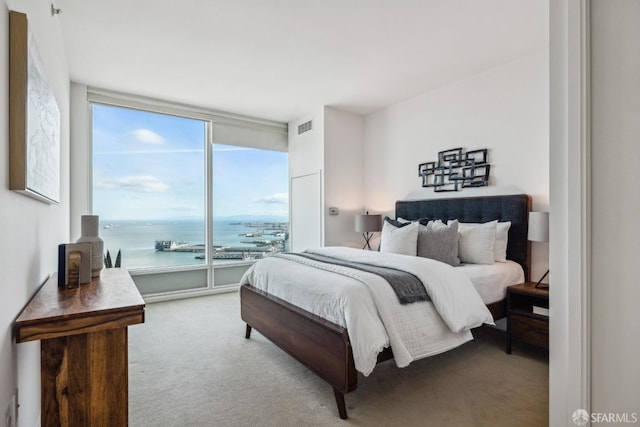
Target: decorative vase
x=89, y=234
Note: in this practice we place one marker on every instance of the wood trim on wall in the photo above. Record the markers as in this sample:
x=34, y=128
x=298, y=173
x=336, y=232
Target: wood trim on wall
x=18, y=63
x=34, y=118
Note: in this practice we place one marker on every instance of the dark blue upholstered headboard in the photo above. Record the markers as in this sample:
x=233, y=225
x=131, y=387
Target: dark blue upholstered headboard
x=514, y=208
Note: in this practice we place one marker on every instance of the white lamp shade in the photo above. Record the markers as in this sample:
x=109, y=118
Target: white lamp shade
x=368, y=223
x=538, y=227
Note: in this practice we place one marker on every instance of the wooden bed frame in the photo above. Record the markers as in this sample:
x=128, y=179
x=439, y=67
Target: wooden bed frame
x=323, y=346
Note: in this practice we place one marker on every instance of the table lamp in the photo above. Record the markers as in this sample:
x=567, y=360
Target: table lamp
x=367, y=225
x=539, y=232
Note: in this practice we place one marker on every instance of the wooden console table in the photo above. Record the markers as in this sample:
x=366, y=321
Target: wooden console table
x=83, y=351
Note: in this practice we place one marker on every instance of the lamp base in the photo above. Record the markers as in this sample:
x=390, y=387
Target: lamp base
x=540, y=285
x=367, y=238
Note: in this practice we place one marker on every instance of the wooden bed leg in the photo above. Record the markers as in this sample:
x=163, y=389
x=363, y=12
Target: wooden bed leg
x=342, y=409
x=247, y=334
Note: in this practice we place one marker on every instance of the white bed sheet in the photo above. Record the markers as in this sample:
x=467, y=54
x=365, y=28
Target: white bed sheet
x=491, y=281
x=344, y=301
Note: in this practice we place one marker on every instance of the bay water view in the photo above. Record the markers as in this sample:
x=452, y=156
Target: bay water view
x=232, y=236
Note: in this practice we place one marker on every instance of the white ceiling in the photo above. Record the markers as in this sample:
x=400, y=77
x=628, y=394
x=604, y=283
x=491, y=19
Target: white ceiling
x=280, y=59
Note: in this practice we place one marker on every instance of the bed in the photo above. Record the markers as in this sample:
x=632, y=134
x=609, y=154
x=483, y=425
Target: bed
x=324, y=346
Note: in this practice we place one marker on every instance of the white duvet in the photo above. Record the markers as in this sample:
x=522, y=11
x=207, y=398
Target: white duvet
x=367, y=306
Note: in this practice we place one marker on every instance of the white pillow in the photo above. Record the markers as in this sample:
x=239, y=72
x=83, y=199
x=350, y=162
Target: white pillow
x=502, y=238
x=476, y=244
x=400, y=240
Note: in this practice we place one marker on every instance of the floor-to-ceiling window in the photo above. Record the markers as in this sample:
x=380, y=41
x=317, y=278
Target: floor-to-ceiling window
x=189, y=200
x=250, y=203
x=149, y=186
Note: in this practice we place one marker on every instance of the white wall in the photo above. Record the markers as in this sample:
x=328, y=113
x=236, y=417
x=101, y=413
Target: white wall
x=334, y=148
x=569, y=229
x=594, y=133
x=504, y=109
x=306, y=151
x=615, y=197
x=344, y=180
x=30, y=230
x=80, y=157
x=306, y=157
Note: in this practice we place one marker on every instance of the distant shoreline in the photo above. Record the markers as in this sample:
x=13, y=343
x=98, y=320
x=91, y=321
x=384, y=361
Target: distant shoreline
x=240, y=237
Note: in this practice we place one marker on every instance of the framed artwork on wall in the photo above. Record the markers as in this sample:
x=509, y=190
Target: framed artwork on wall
x=34, y=118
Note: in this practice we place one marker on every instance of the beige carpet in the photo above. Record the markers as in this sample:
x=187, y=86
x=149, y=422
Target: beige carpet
x=190, y=365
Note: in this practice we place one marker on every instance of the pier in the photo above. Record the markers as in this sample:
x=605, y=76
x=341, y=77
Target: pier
x=174, y=246
x=277, y=233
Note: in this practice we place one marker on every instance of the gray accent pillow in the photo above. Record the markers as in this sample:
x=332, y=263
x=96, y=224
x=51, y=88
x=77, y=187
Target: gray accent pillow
x=439, y=241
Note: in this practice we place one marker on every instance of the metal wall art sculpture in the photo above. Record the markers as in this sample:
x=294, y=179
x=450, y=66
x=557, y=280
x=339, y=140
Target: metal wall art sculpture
x=455, y=170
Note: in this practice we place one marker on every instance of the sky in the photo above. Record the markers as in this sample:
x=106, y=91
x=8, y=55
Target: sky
x=149, y=166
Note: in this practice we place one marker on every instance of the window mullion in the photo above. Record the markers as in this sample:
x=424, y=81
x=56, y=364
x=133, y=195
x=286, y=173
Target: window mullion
x=209, y=202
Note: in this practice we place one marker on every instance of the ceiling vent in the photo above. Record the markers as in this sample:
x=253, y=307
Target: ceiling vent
x=305, y=127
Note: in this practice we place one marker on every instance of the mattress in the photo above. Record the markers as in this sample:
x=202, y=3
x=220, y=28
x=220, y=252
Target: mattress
x=491, y=281
x=337, y=294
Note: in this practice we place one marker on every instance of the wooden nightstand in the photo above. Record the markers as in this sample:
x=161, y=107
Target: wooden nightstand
x=526, y=321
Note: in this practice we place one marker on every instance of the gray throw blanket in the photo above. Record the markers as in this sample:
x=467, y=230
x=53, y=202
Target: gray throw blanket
x=407, y=286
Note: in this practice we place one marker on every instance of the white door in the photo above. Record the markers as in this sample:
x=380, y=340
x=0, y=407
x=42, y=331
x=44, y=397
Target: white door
x=306, y=212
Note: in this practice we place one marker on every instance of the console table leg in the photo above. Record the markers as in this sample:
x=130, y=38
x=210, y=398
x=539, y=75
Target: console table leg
x=247, y=333
x=84, y=379
x=342, y=409
x=54, y=382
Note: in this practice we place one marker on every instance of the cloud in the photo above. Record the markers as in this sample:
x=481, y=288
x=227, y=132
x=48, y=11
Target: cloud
x=137, y=183
x=147, y=136
x=281, y=198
